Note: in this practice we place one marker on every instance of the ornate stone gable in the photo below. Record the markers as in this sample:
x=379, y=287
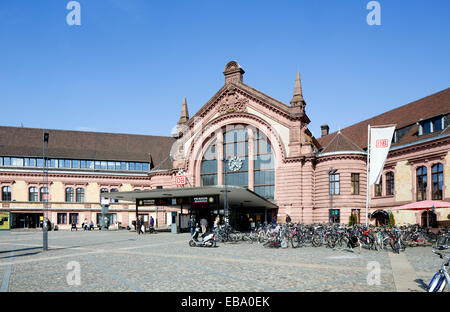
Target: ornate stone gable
x=232, y=103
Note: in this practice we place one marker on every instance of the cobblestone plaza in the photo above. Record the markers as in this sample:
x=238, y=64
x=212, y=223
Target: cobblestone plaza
x=124, y=261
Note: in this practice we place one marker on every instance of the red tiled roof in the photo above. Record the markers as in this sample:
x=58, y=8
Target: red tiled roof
x=15, y=141
x=406, y=115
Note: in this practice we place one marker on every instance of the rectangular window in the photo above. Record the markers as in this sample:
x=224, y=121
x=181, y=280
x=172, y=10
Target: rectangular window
x=62, y=218
x=355, y=183
x=123, y=166
x=111, y=165
x=26, y=162
x=357, y=214
x=33, y=162
x=131, y=166
x=67, y=163
x=117, y=165
x=437, y=124
x=89, y=164
x=75, y=164
x=83, y=164
x=73, y=217
x=335, y=216
x=6, y=161
x=17, y=162
x=145, y=166
x=1, y=161
x=334, y=184
x=40, y=162
x=139, y=166
x=97, y=165
x=379, y=188
x=426, y=127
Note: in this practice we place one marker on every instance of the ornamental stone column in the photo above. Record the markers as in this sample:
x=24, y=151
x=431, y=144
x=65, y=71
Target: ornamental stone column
x=251, y=160
x=220, y=157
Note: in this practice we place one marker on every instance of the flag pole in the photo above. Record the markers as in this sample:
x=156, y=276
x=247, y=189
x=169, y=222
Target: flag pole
x=367, y=176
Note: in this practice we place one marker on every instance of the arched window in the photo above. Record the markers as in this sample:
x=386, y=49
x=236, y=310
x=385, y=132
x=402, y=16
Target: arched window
x=236, y=164
x=437, y=172
x=69, y=195
x=209, y=166
x=103, y=190
x=421, y=175
x=113, y=200
x=390, y=183
x=33, y=194
x=80, y=195
x=6, y=193
x=264, y=167
x=43, y=194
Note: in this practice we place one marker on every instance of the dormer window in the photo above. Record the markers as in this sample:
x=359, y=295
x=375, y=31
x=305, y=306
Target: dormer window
x=431, y=125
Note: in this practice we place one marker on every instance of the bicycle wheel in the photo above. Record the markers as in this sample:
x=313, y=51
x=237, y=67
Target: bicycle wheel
x=317, y=241
x=436, y=282
x=294, y=241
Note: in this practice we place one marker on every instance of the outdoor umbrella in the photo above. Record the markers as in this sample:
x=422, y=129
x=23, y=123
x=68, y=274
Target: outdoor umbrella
x=424, y=205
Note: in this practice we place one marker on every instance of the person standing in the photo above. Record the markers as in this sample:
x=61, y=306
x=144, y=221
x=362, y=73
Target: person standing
x=288, y=219
x=151, y=224
x=204, y=225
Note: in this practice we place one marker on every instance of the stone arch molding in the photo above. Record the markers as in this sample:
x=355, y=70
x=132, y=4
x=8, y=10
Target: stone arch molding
x=202, y=140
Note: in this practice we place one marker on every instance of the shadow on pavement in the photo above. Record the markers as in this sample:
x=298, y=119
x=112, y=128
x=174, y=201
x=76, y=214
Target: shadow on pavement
x=421, y=283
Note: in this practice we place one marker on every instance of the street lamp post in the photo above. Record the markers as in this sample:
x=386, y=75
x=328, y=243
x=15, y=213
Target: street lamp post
x=45, y=186
x=226, y=212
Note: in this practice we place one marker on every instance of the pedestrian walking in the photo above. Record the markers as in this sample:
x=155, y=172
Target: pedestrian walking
x=204, y=225
x=217, y=222
x=140, y=223
x=192, y=223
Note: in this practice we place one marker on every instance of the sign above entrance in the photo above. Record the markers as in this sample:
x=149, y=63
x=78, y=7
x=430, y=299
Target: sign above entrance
x=203, y=200
x=146, y=202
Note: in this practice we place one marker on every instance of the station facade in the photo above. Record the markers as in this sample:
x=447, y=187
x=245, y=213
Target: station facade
x=240, y=137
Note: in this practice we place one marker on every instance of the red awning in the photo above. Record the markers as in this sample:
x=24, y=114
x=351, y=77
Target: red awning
x=424, y=205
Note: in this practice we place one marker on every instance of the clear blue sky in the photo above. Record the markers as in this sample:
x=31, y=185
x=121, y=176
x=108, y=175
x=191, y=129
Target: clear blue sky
x=128, y=66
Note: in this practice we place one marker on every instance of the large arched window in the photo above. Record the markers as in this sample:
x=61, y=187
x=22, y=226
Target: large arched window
x=6, y=193
x=236, y=169
x=69, y=195
x=33, y=194
x=437, y=172
x=80, y=195
x=421, y=176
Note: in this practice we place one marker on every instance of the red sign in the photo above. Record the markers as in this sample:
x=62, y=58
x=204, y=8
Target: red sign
x=381, y=143
x=180, y=180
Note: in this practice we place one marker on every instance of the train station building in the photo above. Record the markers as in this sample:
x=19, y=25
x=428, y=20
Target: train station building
x=241, y=140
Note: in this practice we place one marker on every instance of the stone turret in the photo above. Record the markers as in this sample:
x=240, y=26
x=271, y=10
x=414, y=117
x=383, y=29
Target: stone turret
x=184, y=116
x=297, y=98
x=233, y=72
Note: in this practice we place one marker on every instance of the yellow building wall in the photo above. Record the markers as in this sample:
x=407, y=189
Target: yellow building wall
x=92, y=193
x=403, y=181
x=447, y=175
x=57, y=192
x=19, y=191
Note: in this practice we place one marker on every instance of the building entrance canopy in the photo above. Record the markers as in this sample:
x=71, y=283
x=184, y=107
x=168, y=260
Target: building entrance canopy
x=236, y=196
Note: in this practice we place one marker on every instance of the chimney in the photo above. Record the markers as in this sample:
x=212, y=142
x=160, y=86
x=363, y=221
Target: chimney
x=233, y=72
x=325, y=130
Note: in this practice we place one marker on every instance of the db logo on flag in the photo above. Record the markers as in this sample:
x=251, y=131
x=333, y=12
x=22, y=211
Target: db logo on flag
x=381, y=143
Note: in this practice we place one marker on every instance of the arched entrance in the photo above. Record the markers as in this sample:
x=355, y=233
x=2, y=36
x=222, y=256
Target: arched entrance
x=381, y=217
x=428, y=219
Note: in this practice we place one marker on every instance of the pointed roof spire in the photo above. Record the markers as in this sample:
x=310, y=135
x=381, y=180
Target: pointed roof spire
x=297, y=98
x=184, y=117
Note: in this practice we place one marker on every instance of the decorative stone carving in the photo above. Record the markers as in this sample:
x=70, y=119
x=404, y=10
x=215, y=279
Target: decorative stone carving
x=232, y=104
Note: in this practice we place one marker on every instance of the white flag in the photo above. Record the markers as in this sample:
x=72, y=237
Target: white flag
x=380, y=143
